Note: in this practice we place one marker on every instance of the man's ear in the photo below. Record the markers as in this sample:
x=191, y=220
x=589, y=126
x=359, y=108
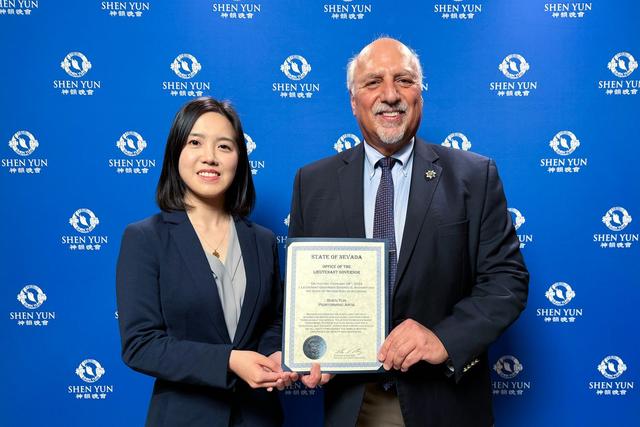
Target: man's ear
x=353, y=103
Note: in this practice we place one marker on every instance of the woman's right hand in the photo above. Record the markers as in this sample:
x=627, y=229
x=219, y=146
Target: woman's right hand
x=255, y=369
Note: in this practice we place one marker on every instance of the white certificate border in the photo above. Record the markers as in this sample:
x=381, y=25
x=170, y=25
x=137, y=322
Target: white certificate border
x=380, y=282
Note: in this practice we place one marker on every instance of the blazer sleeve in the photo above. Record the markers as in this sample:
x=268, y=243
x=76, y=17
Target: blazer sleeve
x=500, y=292
x=146, y=345
x=271, y=340
x=296, y=227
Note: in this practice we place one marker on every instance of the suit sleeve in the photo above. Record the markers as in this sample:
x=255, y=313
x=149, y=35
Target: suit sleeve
x=271, y=340
x=296, y=225
x=500, y=292
x=146, y=345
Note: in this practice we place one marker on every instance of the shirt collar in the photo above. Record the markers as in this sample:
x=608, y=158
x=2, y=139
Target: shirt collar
x=372, y=156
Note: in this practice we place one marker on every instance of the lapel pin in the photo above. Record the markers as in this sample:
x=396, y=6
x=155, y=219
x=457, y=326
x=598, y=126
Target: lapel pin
x=430, y=174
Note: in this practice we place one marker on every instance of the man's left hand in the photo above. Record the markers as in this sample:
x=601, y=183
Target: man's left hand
x=287, y=378
x=409, y=343
x=315, y=377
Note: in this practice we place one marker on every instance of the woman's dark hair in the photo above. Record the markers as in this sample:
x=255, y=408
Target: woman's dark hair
x=240, y=196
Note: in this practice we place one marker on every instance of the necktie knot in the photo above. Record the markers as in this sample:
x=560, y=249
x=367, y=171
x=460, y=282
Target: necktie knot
x=386, y=163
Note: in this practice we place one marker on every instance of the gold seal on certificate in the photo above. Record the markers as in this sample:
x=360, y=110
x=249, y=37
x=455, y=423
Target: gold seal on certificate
x=335, y=304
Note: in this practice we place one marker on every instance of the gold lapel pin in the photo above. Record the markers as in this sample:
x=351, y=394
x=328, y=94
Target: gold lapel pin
x=430, y=174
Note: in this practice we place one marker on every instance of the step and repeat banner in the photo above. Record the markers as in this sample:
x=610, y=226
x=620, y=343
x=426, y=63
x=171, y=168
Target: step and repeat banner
x=89, y=89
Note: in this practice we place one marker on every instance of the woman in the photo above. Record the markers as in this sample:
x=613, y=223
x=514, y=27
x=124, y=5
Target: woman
x=198, y=285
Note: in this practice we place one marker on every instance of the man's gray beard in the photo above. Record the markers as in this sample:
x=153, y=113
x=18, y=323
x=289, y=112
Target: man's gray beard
x=391, y=136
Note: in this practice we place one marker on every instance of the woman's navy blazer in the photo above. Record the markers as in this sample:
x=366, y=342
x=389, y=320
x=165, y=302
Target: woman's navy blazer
x=172, y=325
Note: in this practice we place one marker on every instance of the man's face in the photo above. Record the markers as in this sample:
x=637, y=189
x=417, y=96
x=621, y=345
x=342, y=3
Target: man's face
x=387, y=96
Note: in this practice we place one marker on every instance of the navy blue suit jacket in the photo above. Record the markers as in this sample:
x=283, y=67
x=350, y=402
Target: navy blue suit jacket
x=460, y=273
x=172, y=324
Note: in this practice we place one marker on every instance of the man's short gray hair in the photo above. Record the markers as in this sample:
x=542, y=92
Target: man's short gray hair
x=351, y=65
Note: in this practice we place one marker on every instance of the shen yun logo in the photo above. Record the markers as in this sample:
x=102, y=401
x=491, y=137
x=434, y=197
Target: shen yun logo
x=295, y=68
x=517, y=219
x=76, y=65
x=564, y=143
x=23, y=143
x=84, y=221
x=573, y=10
x=457, y=10
x=90, y=371
x=345, y=142
x=612, y=367
x=513, y=67
x=508, y=367
x=256, y=165
x=616, y=219
x=129, y=9
x=282, y=238
x=19, y=7
x=236, y=10
x=32, y=297
x=186, y=66
x=131, y=143
x=559, y=294
x=250, y=144
x=457, y=141
x=622, y=65
x=348, y=10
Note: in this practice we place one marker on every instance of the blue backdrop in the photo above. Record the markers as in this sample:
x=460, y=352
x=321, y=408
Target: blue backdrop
x=89, y=89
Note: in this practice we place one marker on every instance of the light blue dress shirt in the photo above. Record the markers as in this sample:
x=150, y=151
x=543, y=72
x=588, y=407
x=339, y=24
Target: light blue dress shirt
x=401, y=175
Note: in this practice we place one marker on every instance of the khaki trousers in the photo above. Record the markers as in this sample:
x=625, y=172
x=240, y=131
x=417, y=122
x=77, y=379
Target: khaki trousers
x=379, y=408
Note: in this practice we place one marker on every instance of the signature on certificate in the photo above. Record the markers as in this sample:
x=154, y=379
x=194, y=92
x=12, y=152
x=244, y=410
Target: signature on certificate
x=349, y=351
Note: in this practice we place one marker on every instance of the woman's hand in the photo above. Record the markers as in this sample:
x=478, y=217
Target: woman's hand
x=315, y=377
x=287, y=377
x=256, y=370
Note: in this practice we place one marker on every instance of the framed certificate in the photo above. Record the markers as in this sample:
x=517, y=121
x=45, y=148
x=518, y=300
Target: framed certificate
x=335, y=310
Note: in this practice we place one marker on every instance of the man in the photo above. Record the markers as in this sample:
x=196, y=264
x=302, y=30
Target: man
x=457, y=276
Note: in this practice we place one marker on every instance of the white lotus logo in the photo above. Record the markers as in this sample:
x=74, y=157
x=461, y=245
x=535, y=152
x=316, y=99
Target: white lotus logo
x=186, y=66
x=84, y=220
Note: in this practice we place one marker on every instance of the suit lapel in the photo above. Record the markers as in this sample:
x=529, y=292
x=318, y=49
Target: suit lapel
x=196, y=261
x=351, y=191
x=249, y=248
x=420, y=197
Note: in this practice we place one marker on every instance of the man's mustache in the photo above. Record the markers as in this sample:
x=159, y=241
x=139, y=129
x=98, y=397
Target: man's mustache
x=381, y=107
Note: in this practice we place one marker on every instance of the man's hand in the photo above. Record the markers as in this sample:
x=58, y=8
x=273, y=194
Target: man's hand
x=255, y=369
x=287, y=378
x=315, y=377
x=409, y=343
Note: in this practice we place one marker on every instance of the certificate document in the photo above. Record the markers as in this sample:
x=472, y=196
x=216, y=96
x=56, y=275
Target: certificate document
x=335, y=304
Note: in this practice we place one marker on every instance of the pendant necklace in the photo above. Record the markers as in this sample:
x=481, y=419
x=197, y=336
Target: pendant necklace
x=215, y=252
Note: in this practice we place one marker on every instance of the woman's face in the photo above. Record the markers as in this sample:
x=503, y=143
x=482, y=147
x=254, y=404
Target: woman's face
x=208, y=161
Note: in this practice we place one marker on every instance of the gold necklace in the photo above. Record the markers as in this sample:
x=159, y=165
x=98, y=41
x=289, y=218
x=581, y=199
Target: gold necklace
x=215, y=251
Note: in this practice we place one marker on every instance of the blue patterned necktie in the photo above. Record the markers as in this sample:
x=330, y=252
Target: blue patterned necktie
x=383, y=225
